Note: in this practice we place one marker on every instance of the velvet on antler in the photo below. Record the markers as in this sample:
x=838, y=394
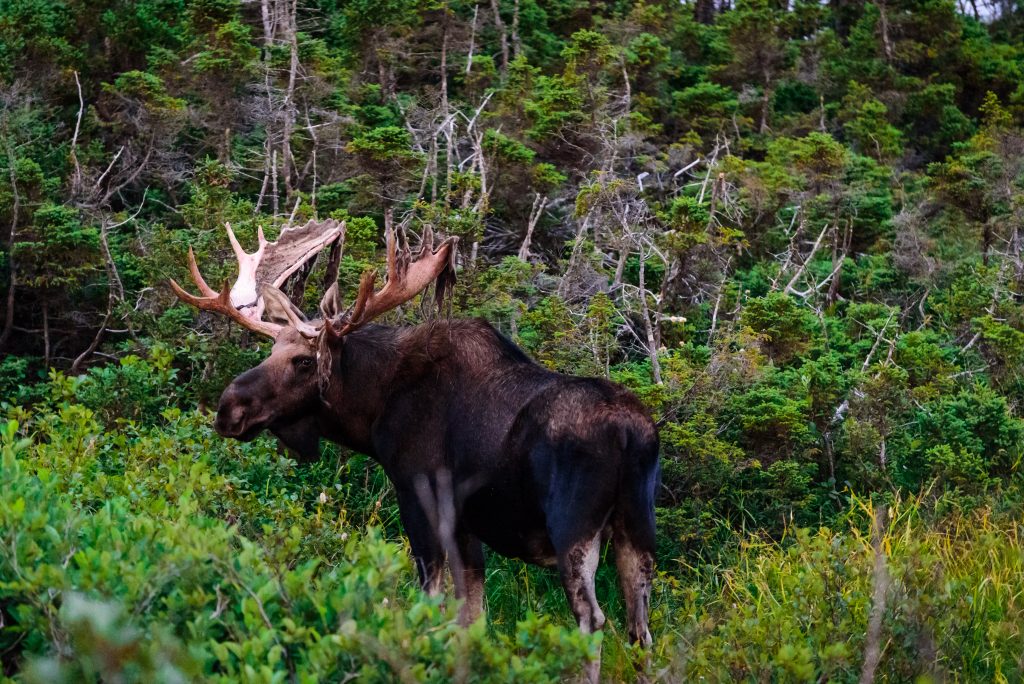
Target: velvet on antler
x=261, y=273
x=270, y=265
x=406, y=277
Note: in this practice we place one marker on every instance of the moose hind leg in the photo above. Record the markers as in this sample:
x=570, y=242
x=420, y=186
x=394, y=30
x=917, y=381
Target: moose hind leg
x=636, y=572
x=577, y=564
x=578, y=567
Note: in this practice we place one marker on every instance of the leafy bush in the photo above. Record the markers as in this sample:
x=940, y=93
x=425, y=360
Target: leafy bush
x=122, y=562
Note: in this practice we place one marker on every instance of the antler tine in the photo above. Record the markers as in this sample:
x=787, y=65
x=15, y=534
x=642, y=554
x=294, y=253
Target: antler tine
x=244, y=291
x=197, y=277
x=405, y=279
x=239, y=252
x=366, y=283
x=221, y=304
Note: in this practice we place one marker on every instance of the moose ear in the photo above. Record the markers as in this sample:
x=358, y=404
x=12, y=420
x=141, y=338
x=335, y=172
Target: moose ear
x=330, y=305
x=279, y=309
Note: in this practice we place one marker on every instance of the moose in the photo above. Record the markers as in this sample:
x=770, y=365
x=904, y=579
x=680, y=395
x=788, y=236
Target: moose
x=482, y=444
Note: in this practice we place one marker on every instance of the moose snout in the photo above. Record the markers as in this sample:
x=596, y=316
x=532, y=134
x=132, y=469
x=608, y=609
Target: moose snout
x=234, y=414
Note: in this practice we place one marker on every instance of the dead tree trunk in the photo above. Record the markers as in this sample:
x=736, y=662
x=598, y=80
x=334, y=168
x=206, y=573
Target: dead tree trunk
x=649, y=329
x=472, y=41
x=12, y=268
x=499, y=24
x=535, y=214
x=517, y=46
x=287, y=161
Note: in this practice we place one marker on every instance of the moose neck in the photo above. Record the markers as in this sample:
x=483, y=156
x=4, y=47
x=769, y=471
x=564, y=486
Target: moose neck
x=363, y=369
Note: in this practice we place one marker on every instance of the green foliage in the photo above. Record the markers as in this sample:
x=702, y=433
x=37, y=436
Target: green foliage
x=135, y=390
x=139, y=573
x=147, y=88
x=60, y=253
x=705, y=106
x=549, y=333
x=934, y=119
x=556, y=105
x=772, y=425
x=827, y=201
x=507, y=149
x=382, y=145
x=868, y=126
x=784, y=327
x=798, y=611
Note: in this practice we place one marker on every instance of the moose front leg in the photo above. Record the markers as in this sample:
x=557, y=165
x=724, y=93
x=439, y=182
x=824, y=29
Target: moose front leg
x=471, y=554
x=427, y=551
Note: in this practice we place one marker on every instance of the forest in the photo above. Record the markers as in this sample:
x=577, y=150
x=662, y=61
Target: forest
x=793, y=228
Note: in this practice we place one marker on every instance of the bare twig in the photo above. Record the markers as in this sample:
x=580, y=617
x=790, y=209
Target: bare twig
x=800, y=271
x=76, y=180
x=472, y=40
x=535, y=213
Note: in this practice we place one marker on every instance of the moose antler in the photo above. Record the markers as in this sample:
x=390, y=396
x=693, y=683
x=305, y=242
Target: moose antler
x=220, y=303
x=406, y=277
x=271, y=264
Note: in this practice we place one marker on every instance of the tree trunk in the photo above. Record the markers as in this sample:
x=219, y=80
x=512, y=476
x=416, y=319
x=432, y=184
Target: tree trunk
x=274, y=197
x=502, y=34
x=12, y=270
x=652, y=341
x=883, y=27
x=704, y=11
x=517, y=46
x=444, y=109
x=766, y=99
x=472, y=41
x=287, y=161
x=535, y=214
x=76, y=178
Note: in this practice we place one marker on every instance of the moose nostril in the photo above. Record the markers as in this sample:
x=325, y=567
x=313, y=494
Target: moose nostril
x=229, y=419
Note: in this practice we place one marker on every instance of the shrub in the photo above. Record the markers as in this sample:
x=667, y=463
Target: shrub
x=142, y=575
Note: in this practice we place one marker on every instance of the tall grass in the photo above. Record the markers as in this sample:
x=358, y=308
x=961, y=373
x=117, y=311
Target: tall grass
x=950, y=595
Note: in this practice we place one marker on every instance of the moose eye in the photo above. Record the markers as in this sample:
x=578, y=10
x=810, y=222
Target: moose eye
x=304, y=362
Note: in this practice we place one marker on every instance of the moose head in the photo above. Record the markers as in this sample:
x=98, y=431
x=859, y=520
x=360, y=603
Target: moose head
x=284, y=392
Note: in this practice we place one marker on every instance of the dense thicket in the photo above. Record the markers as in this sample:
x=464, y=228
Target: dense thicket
x=793, y=228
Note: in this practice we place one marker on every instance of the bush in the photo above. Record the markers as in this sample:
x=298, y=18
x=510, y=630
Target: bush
x=121, y=560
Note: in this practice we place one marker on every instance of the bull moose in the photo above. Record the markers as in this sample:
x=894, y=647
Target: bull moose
x=482, y=445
